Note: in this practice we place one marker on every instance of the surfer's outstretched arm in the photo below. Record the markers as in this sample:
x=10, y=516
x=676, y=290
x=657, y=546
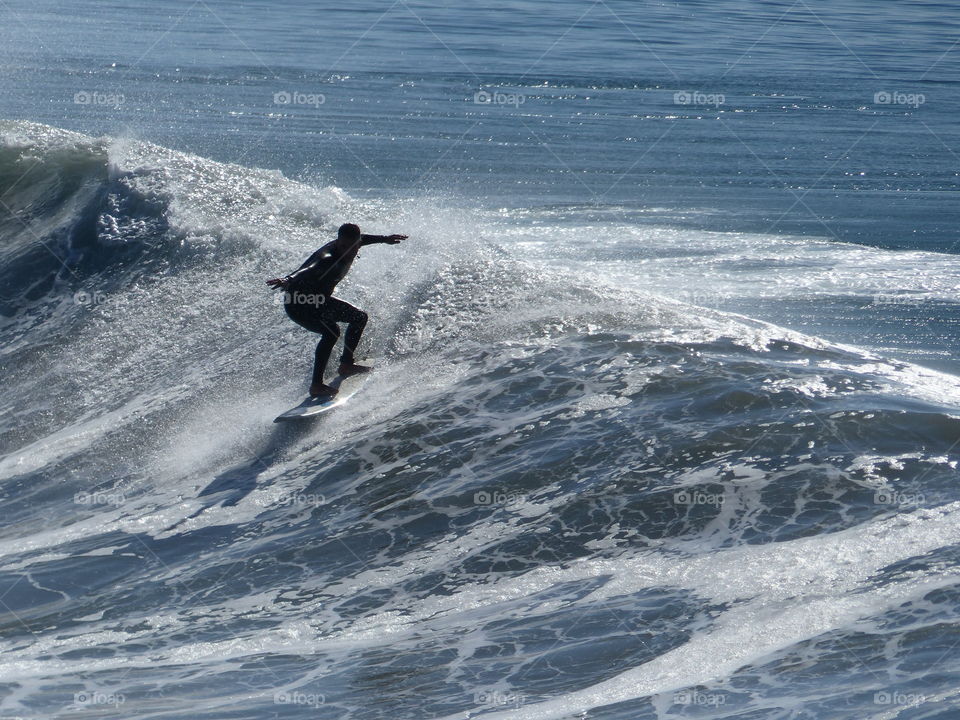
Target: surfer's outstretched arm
x=387, y=239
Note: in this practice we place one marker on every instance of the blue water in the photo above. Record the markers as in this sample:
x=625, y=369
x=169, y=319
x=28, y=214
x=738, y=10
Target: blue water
x=667, y=399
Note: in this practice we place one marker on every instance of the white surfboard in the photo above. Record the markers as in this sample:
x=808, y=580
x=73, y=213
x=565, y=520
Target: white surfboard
x=347, y=387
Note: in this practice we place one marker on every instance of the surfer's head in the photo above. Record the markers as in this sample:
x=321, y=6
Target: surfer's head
x=348, y=234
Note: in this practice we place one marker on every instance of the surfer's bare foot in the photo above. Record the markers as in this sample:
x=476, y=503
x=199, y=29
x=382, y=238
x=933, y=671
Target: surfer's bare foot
x=319, y=389
x=351, y=369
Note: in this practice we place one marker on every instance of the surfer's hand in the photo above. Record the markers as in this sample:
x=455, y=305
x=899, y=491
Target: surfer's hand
x=278, y=283
x=394, y=239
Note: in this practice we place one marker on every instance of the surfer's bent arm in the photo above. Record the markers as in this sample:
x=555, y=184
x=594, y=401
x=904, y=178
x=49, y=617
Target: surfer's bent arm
x=310, y=266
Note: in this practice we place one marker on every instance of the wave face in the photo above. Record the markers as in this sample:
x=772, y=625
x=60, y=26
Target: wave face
x=559, y=496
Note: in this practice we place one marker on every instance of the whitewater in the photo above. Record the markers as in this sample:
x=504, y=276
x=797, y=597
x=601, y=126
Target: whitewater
x=666, y=402
x=560, y=493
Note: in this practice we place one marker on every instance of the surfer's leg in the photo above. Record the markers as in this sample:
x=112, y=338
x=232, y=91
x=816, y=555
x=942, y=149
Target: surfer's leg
x=328, y=338
x=356, y=320
x=352, y=339
x=314, y=321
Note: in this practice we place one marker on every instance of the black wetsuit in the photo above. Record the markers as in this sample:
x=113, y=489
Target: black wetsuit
x=310, y=303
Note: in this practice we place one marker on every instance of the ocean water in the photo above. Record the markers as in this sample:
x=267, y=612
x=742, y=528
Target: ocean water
x=667, y=403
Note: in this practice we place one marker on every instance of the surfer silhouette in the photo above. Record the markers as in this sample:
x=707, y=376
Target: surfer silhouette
x=308, y=300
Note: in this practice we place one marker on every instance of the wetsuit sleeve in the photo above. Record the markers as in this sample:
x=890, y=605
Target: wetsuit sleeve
x=372, y=239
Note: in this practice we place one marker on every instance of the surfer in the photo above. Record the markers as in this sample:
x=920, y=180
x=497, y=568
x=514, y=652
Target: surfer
x=308, y=299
